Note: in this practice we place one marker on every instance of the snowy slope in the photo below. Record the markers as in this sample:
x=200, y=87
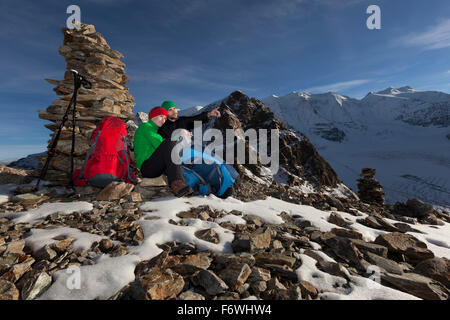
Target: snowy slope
x=403, y=133
x=110, y=274
x=8, y=161
x=28, y=163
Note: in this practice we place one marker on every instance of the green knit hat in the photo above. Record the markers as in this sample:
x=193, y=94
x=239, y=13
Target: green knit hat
x=168, y=104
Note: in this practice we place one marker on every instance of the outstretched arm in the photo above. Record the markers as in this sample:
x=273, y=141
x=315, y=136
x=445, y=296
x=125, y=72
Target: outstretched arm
x=188, y=122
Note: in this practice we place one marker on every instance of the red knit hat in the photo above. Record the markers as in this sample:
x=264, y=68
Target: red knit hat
x=157, y=111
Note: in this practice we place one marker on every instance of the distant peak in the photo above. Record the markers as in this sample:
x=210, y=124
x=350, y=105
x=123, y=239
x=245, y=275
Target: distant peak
x=303, y=94
x=392, y=90
x=406, y=89
x=338, y=95
x=389, y=90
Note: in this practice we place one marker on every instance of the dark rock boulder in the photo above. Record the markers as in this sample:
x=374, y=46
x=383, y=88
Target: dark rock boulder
x=435, y=268
x=298, y=158
x=406, y=245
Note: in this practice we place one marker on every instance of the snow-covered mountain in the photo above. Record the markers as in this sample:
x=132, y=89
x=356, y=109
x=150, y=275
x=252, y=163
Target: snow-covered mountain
x=28, y=163
x=401, y=132
x=335, y=117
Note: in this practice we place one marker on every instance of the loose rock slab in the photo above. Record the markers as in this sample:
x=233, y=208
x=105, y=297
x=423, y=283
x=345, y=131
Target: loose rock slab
x=115, y=190
x=406, y=244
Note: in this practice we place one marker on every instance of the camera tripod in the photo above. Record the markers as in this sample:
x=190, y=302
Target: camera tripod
x=78, y=81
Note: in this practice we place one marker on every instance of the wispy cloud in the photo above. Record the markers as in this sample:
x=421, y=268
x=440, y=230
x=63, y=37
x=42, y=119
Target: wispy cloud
x=20, y=150
x=342, y=3
x=338, y=86
x=248, y=13
x=436, y=37
x=110, y=2
x=163, y=76
x=189, y=75
x=28, y=78
x=27, y=20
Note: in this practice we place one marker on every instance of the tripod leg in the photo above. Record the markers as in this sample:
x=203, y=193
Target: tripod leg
x=73, y=139
x=54, y=142
x=77, y=85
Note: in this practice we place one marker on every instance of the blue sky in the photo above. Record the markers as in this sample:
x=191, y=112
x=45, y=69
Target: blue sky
x=198, y=51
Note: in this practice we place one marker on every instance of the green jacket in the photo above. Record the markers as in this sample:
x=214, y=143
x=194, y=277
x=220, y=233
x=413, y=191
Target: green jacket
x=146, y=140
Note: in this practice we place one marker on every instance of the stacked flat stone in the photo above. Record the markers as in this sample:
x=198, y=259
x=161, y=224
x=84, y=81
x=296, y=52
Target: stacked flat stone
x=369, y=189
x=86, y=51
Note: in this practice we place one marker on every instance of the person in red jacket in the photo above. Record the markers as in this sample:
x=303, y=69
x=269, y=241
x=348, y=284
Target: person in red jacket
x=153, y=153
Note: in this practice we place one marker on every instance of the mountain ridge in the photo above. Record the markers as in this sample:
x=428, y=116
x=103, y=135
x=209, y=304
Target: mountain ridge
x=401, y=134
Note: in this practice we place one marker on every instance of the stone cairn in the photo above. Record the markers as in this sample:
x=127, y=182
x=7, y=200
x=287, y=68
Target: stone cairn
x=86, y=51
x=369, y=189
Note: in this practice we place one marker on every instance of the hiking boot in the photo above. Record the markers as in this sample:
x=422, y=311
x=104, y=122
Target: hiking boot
x=180, y=188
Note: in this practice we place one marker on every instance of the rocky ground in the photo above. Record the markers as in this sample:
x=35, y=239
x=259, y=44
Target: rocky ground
x=265, y=256
x=263, y=260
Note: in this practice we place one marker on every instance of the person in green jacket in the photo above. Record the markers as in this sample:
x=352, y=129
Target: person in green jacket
x=153, y=153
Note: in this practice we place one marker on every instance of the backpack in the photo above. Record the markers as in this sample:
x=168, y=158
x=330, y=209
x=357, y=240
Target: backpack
x=205, y=178
x=108, y=159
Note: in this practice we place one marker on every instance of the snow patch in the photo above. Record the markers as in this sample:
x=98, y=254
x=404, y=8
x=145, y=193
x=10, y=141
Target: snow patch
x=39, y=238
x=337, y=288
x=109, y=275
x=46, y=209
